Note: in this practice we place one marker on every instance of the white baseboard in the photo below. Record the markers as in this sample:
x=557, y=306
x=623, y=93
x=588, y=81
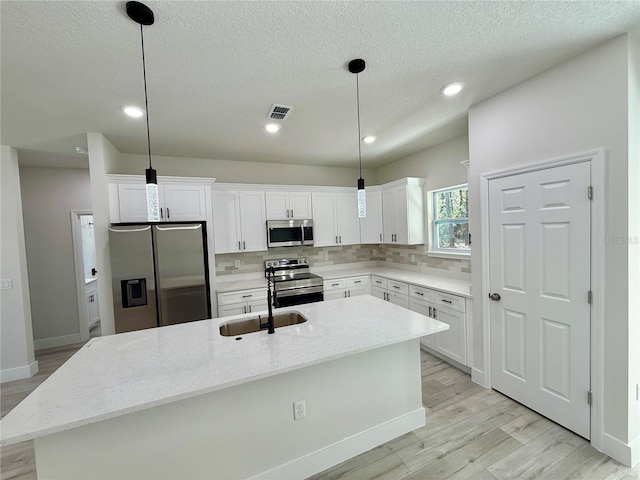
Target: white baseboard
x=480, y=378
x=56, y=341
x=626, y=453
x=338, y=452
x=18, y=373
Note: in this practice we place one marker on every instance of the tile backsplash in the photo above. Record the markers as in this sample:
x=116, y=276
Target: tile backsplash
x=411, y=257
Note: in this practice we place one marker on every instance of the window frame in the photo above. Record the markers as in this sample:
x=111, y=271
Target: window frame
x=432, y=221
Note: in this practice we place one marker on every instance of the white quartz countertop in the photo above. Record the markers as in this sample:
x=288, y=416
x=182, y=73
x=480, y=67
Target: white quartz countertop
x=119, y=374
x=445, y=284
x=456, y=286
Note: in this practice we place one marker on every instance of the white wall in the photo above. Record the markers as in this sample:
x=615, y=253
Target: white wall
x=227, y=171
x=16, y=336
x=102, y=157
x=578, y=106
x=439, y=165
x=48, y=197
x=634, y=234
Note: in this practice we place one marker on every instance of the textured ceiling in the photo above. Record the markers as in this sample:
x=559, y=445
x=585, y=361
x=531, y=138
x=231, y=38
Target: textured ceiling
x=215, y=67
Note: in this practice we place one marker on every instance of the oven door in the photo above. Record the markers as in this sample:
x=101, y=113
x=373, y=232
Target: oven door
x=284, y=233
x=298, y=296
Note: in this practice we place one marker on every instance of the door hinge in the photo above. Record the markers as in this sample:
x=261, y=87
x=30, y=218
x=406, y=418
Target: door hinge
x=589, y=296
x=590, y=192
x=589, y=397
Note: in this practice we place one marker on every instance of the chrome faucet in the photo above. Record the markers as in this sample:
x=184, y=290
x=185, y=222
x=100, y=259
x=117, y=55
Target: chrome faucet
x=269, y=324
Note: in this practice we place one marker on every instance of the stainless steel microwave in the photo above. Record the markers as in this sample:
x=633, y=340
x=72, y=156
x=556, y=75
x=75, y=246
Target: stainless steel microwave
x=289, y=233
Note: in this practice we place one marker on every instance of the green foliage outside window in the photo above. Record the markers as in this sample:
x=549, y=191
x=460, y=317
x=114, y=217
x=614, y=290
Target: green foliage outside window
x=451, y=219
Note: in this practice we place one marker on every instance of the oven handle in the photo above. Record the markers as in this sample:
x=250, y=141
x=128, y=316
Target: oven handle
x=299, y=291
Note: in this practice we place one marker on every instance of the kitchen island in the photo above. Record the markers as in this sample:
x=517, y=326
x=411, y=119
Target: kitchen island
x=185, y=402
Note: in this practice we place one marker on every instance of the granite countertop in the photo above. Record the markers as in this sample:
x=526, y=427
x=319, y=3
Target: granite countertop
x=119, y=374
x=456, y=286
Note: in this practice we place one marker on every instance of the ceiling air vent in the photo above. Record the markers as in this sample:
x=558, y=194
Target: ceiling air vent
x=279, y=112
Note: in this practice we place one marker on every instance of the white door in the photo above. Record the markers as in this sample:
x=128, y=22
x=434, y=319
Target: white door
x=324, y=220
x=226, y=222
x=184, y=203
x=389, y=216
x=347, y=225
x=300, y=205
x=539, y=227
x=371, y=225
x=253, y=224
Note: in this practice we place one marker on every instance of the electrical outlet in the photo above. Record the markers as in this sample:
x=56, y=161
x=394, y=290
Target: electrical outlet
x=237, y=263
x=6, y=284
x=413, y=258
x=299, y=410
x=326, y=255
x=375, y=252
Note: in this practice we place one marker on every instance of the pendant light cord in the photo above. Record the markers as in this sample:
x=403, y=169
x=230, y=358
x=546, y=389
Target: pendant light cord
x=146, y=104
x=358, y=109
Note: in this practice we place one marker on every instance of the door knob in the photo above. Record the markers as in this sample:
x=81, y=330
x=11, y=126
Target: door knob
x=93, y=272
x=494, y=296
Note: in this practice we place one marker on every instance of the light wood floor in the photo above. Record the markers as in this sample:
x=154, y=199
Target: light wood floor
x=471, y=433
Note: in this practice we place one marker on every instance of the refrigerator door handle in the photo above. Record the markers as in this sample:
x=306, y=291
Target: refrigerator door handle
x=186, y=227
x=143, y=229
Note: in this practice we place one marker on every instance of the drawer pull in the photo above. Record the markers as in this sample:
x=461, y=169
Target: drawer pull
x=396, y=286
x=419, y=293
x=378, y=281
x=247, y=296
x=335, y=284
x=446, y=301
x=358, y=281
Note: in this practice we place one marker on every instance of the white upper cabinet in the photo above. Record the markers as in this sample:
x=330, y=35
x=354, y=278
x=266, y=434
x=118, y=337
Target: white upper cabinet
x=239, y=222
x=288, y=205
x=335, y=219
x=403, y=212
x=371, y=225
x=179, y=200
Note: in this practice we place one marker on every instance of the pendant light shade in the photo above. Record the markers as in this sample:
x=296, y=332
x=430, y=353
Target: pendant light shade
x=357, y=66
x=143, y=15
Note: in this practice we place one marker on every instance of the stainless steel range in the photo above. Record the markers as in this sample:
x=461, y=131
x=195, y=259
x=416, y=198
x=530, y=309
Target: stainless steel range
x=293, y=283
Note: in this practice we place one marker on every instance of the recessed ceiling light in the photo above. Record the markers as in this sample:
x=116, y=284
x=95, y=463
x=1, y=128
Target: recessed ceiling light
x=452, y=89
x=369, y=139
x=82, y=150
x=133, y=111
x=272, y=127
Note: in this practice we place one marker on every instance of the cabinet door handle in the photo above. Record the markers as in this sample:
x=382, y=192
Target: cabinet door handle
x=161, y=214
x=287, y=213
x=419, y=293
x=239, y=247
x=435, y=313
x=245, y=309
x=445, y=300
x=349, y=293
x=244, y=245
x=292, y=213
x=336, y=239
x=345, y=294
x=340, y=237
x=380, y=237
x=249, y=309
x=247, y=296
x=430, y=312
x=168, y=214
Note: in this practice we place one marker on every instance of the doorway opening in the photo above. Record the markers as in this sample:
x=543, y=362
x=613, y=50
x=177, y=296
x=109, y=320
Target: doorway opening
x=87, y=277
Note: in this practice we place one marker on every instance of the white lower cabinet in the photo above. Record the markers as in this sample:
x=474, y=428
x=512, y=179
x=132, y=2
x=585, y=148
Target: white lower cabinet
x=242, y=301
x=449, y=309
x=91, y=295
x=390, y=290
x=346, y=287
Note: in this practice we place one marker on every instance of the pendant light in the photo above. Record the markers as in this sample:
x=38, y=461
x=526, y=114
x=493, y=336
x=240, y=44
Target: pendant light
x=143, y=15
x=357, y=66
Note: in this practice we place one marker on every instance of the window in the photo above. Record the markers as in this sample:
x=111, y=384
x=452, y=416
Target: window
x=450, y=220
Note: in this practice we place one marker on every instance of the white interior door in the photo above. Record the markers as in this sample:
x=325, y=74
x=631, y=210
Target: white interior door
x=539, y=227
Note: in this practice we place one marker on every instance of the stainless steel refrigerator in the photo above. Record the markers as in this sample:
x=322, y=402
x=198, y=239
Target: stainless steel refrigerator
x=160, y=274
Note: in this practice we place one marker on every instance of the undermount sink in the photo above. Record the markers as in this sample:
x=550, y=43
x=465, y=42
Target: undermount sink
x=250, y=325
